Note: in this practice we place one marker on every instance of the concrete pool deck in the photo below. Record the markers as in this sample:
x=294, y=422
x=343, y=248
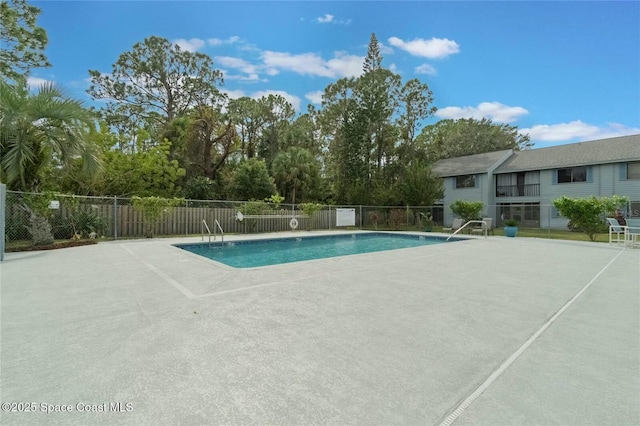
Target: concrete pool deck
x=495, y=331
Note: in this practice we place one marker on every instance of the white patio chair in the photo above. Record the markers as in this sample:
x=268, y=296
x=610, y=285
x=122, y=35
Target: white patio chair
x=633, y=233
x=488, y=226
x=617, y=232
x=457, y=223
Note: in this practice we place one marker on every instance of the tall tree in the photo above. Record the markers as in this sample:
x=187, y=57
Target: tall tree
x=36, y=129
x=279, y=114
x=342, y=132
x=142, y=173
x=467, y=136
x=22, y=42
x=304, y=133
x=294, y=169
x=377, y=93
x=250, y=117
x=156, y=82
x=418, y=187
x=251, y=180
x=373, y=60
x=416, y=104
x=211, y=140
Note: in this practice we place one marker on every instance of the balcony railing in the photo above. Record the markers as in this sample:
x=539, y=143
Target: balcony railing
x=529, y=190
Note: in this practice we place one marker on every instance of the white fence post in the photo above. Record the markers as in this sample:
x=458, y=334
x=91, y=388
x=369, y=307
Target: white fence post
x=115, y=217
x=3, y=208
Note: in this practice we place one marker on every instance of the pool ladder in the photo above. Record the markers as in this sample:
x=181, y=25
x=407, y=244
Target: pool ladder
x=205, y=226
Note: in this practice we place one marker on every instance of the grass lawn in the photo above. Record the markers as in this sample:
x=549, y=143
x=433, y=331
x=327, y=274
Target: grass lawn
x=554, y=234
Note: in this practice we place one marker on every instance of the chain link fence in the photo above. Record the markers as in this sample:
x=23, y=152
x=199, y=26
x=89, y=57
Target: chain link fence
x=39, y=219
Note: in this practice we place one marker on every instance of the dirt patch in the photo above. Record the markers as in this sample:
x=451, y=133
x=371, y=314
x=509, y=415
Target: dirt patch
x=54, y=246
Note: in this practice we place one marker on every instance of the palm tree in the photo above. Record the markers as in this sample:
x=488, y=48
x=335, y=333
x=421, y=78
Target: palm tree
x=292, y=168
x=38, y=128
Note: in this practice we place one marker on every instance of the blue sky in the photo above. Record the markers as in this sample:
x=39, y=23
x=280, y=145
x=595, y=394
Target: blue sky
x=560, y=71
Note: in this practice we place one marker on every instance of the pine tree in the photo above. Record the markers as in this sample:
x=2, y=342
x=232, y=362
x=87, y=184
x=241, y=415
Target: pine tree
x=373, y=61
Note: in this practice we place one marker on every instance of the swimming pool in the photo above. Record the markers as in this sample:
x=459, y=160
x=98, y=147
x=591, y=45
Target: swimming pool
x=254, y=253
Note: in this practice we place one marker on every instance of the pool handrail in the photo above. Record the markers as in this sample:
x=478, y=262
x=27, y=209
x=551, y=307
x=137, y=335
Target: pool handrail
x=220, y=228
x=204, y=222
x=465, y=225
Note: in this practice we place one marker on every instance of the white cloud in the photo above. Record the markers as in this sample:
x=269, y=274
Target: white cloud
x=435, y=48
x=393, y=68
x=326, y=19
x=237, y=63
x=342, y=65
x=233, y=94
x=492, y=110
x=306, y=63
x=251, y=71
x=36, y=82
x=191, y=45
x=292, y=99
x=384, y=49
x=577, y=129
x=248, y=77
x=315, y=97
x=425, y=69
x=219, y=41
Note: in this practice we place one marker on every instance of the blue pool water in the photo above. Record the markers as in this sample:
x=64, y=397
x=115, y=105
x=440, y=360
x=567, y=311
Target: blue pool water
x=252, y=253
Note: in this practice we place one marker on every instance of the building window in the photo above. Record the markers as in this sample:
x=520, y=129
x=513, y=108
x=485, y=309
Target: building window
x=572, y=174
x=527, y=214
x=633, y=170
x=466, y=181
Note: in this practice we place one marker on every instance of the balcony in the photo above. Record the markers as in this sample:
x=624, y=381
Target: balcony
x=530, y=190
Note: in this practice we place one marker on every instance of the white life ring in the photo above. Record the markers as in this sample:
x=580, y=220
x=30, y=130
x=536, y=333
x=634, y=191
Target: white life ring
x=239, y=216
x=293, y=223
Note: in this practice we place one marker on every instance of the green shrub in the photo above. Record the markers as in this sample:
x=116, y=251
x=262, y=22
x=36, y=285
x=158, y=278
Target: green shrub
x=587, y=214
x=153, y=208
x=254, y=207
x=467, y=210
x=86, y=222
x=200, y=188
x=275, y=201
x=309, y=209
x=62, y=228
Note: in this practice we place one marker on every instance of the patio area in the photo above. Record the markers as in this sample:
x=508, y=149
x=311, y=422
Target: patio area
x=479, y=332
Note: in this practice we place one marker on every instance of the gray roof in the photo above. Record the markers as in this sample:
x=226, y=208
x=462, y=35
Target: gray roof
x=603, y=151
x=469, y=164
x=613, y=150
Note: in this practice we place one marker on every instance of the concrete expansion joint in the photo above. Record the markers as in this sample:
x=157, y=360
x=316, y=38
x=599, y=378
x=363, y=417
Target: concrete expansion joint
x=460, y=408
